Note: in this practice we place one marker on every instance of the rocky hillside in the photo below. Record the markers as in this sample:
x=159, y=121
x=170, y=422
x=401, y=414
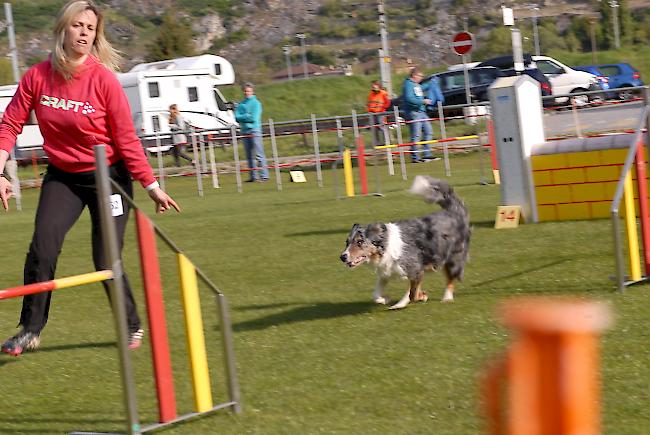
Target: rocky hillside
x=251, y=33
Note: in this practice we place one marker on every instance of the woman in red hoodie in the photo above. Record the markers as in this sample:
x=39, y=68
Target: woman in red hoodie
x=79, y=103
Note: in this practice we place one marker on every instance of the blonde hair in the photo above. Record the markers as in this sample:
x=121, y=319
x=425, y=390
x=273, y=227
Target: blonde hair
x=102, y=49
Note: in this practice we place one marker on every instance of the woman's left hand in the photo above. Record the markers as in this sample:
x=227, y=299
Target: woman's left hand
x=163, y=201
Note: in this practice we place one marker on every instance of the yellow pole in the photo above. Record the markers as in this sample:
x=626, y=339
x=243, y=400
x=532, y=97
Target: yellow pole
x=85, y=278
x=194, y=333
x=632, y=236
x=347, y=170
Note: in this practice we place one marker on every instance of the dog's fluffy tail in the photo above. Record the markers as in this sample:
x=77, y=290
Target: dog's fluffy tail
x=423, y=186
x=437, y=191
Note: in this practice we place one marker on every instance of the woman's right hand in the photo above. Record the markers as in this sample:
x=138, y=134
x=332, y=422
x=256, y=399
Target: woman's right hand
x=6, y=192
x=163, y=201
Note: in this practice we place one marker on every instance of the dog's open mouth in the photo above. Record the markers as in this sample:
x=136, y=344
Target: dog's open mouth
x=356, y=261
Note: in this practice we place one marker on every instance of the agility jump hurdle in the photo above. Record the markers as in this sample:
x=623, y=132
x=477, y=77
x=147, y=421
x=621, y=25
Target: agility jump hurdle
x=146, y=231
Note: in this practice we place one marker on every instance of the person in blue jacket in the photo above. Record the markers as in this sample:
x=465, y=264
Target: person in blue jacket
x=249, y=116
x=415, y=102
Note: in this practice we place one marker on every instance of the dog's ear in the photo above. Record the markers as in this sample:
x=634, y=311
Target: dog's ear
x=375, y=234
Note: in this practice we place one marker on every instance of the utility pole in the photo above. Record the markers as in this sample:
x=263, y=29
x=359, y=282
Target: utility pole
x=535, y=31
x=617, y=40
x=386, y=80
x=287, y=55
x=301, y=36
x=592, y=32
x=13, y=50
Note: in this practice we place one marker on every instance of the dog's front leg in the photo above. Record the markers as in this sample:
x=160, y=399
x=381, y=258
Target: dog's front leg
x=378, y=294
x=413, y=289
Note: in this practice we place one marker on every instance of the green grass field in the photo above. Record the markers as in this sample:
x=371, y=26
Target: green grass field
x=314, y=354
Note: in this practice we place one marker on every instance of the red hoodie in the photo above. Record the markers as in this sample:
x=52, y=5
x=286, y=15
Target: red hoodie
x=75, y=115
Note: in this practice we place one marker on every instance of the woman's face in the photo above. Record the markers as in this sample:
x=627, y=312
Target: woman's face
x=80, y=36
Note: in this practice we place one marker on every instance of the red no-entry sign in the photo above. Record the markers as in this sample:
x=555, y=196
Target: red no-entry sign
x=462, y=43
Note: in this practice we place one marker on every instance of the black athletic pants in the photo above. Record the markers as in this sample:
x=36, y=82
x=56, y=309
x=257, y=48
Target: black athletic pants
x=63, y=197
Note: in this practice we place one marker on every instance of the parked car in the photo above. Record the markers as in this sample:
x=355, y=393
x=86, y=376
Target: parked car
x=545, y=85
x=618, y=75
x=602, y=79
x=452, y=85
x=564, y=80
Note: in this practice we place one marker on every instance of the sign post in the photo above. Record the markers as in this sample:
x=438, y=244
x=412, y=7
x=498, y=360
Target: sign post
x=462, y=43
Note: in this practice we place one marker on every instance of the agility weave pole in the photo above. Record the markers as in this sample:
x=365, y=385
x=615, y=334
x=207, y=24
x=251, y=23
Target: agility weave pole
x=155, y=311
x=624, y=189
x=114, y=281
x=188, y=274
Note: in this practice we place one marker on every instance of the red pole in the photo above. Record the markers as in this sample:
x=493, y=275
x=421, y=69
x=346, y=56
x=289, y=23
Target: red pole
x=644, y=214
x=156, y=314
x=28, y=289
x=493, y=145
x=362, y=166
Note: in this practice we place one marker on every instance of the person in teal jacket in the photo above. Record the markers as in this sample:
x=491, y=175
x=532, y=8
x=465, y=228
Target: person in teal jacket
x=415, y=102
x=249, y=116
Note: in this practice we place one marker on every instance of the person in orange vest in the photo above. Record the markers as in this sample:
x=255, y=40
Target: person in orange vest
x=378, y=103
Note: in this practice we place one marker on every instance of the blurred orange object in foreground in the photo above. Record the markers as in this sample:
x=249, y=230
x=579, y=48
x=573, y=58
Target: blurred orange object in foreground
x=547, y=383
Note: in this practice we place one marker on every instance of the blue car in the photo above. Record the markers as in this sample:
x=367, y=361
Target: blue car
x=618, y=75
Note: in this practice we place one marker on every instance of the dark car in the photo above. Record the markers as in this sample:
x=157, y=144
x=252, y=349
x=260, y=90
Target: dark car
x=452, y=84
x=618, y=75
x=544, y=83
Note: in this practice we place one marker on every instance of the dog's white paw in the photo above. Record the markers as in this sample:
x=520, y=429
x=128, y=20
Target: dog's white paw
x=448, y=296
x=382, y=300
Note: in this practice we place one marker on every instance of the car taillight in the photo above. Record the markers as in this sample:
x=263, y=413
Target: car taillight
x=603, y=79
x=636, y=75
x=546, y=87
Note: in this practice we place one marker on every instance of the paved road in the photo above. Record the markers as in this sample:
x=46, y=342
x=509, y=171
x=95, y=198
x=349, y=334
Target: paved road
x=607, y=118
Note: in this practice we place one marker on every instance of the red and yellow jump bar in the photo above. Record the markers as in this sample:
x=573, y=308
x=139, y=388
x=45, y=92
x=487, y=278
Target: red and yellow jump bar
x=46, y=286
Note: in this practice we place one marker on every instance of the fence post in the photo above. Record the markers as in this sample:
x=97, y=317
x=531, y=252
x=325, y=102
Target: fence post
x=12, y=169
x=161, y=164
x=213, y=166
x=443, y=135
x=314, y=131
x=235, y=150
x=197, y=162
x=276, y=159
x=400, y=142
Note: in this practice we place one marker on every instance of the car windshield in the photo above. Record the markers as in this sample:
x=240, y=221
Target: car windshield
x=548, y=67
x=477, y=77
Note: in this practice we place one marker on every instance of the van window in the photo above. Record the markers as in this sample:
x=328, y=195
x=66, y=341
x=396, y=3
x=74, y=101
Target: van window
x=155, y=120
x=217, y=69
x=192, y=94
x=220, y=103
x=154, y=91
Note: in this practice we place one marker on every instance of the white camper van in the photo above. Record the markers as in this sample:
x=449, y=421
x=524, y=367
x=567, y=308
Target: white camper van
x=30, y=139
x=189, y=82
